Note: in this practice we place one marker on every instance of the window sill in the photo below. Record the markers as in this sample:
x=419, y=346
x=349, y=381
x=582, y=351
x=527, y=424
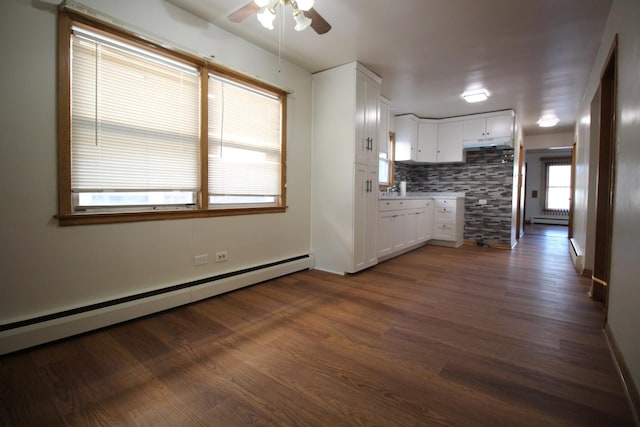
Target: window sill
x=121, y=217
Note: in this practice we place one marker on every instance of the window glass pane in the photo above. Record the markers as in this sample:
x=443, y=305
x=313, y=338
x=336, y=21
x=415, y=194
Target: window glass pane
x=558, y=187
x=134, y=123
x=559, y=175
x=135, y=198
x=558, y=198
x=383, y=171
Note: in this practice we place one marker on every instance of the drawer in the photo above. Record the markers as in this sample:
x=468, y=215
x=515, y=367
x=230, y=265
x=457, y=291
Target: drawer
x=444, y=231
x=392, y=205
x=445, y=203
x=445, y=215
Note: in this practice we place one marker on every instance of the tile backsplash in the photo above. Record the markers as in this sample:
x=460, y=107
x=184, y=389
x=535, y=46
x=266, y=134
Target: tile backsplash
x=487, y=174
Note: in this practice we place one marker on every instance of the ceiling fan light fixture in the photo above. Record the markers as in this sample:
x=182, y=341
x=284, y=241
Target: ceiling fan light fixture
x=478, y=95
x=266, y=18
x=262, y=3
x=302, y=22
x=304, y=4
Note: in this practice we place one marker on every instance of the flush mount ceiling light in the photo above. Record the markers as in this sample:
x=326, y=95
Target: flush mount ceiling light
x=548, y=121
x=303, y=13
x=477, y=95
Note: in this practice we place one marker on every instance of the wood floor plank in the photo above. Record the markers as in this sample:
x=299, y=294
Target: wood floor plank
x=438, y=336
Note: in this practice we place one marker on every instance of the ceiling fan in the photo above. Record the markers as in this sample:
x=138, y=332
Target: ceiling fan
x=303, y=13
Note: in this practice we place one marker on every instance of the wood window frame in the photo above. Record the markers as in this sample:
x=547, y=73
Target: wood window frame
x=66, y=216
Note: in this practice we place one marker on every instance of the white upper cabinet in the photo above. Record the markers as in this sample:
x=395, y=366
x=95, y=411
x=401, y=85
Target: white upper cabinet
x=489, y=129
x=427, y=141
x=444, y=140
x=366, y=119
x=450, y=142
x=416, y=139
x=406, y=137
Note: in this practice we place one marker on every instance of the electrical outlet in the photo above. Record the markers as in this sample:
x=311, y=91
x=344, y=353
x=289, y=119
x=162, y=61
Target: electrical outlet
x=482, y=201
x=221, y=256
x=201, y=259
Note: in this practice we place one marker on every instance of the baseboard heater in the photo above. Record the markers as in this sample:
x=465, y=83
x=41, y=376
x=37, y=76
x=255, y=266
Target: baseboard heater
x=42, y=329
x=549, y=220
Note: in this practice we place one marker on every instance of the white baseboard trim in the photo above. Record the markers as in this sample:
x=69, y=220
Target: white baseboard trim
x=27, y=334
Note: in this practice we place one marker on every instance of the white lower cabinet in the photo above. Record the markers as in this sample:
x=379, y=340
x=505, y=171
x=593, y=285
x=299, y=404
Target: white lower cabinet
x=448, y=222
x=405, y=224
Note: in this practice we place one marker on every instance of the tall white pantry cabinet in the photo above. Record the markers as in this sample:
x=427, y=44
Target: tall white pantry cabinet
x=344, y=161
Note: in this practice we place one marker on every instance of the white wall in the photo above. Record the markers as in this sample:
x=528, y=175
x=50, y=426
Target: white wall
x=624, y=296
x=552, y=140
x=45, y=268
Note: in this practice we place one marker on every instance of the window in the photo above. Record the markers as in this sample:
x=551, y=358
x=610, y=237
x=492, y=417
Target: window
x=150, y=133
x=244, y=144
x=385, y=162
x=557, y=185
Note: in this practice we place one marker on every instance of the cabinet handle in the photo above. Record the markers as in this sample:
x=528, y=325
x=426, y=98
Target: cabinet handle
x=369, y=143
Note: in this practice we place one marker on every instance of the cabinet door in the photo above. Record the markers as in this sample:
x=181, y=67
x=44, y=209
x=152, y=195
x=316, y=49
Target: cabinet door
x=427, y=142
x=406, y=138
x=372, y=120
x=411, y=227
x=499, y=126
x=361, y=143
x=398, y=230
x=371, y=218
x=425, y=222
x=385, y=233
x=474, y=129
x=365, y=217
x=366, y=120
x=449, y=142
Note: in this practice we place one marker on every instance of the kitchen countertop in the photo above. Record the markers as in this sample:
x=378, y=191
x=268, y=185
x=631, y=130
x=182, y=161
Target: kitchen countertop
x=419, y=195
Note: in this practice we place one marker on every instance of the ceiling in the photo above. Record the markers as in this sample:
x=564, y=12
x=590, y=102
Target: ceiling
x=533, y=56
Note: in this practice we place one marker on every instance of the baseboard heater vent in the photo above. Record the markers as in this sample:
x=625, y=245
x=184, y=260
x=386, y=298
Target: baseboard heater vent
x=577, y=257
x=549, y=220
x=41, y=329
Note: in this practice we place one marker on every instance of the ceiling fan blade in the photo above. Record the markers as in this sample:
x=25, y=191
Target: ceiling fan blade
x=244, y=12
x=318, y=23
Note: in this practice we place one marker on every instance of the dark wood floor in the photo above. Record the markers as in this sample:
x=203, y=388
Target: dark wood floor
x=464, y=337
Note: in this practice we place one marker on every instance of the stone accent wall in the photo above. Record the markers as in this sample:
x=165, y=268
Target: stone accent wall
x=487, y=174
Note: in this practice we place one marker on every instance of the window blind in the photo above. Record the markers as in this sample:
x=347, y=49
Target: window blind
x=134, y=118
x=244, y=141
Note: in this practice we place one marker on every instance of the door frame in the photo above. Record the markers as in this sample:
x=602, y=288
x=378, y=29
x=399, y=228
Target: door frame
x=605, y=187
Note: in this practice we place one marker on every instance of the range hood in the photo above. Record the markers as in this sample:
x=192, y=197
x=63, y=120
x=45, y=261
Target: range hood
x=472, y=144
